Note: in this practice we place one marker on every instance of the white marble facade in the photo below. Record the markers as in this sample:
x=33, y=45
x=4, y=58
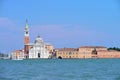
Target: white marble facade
x=38, y=50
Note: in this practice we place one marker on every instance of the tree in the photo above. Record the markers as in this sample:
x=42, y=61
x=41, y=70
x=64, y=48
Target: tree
x=114, y=48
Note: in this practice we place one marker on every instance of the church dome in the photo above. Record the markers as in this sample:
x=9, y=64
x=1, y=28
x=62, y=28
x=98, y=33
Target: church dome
x=38, y=39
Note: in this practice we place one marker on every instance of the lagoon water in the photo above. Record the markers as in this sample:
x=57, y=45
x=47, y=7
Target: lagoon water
x=60, y=69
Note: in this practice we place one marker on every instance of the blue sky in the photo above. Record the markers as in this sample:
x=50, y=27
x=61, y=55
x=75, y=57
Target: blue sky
x=63, y=23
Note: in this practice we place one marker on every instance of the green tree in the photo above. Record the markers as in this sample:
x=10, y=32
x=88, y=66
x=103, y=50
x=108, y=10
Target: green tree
x=114, y=48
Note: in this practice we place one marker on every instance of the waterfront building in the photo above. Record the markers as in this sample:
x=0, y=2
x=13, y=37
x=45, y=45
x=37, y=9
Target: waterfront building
x=66, y=53
x=49, y=47
x=17, y=55
x=87, y=52
x=108, y=54
x=38, y=49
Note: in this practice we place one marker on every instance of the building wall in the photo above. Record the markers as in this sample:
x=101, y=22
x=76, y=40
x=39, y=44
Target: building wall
x=26, y=40
x=49, y=47
x=74, y=54
x=84, y=55
x=108, y=54
x=87, y=52
x=18, y=54
x=90, y=49
x=35, y=51
x=38, y=50
x=67, y=54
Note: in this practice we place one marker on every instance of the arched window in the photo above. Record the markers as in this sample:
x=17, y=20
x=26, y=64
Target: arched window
x=70, y=52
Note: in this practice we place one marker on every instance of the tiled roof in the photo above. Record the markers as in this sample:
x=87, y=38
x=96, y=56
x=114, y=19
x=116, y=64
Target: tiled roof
x=67, y=49
x=18, y=51
x=92, y=47
x=107, y=51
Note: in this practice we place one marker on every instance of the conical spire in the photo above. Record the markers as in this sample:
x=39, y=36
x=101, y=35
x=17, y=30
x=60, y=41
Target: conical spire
x=26, y=26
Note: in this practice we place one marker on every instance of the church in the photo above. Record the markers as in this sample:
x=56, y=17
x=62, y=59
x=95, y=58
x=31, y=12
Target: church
x=38, y=49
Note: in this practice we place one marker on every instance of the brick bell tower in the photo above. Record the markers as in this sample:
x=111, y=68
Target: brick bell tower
x=26, y=40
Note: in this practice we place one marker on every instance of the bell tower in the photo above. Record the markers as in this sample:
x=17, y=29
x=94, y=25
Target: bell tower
x=26, y=40
x=26, y=33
